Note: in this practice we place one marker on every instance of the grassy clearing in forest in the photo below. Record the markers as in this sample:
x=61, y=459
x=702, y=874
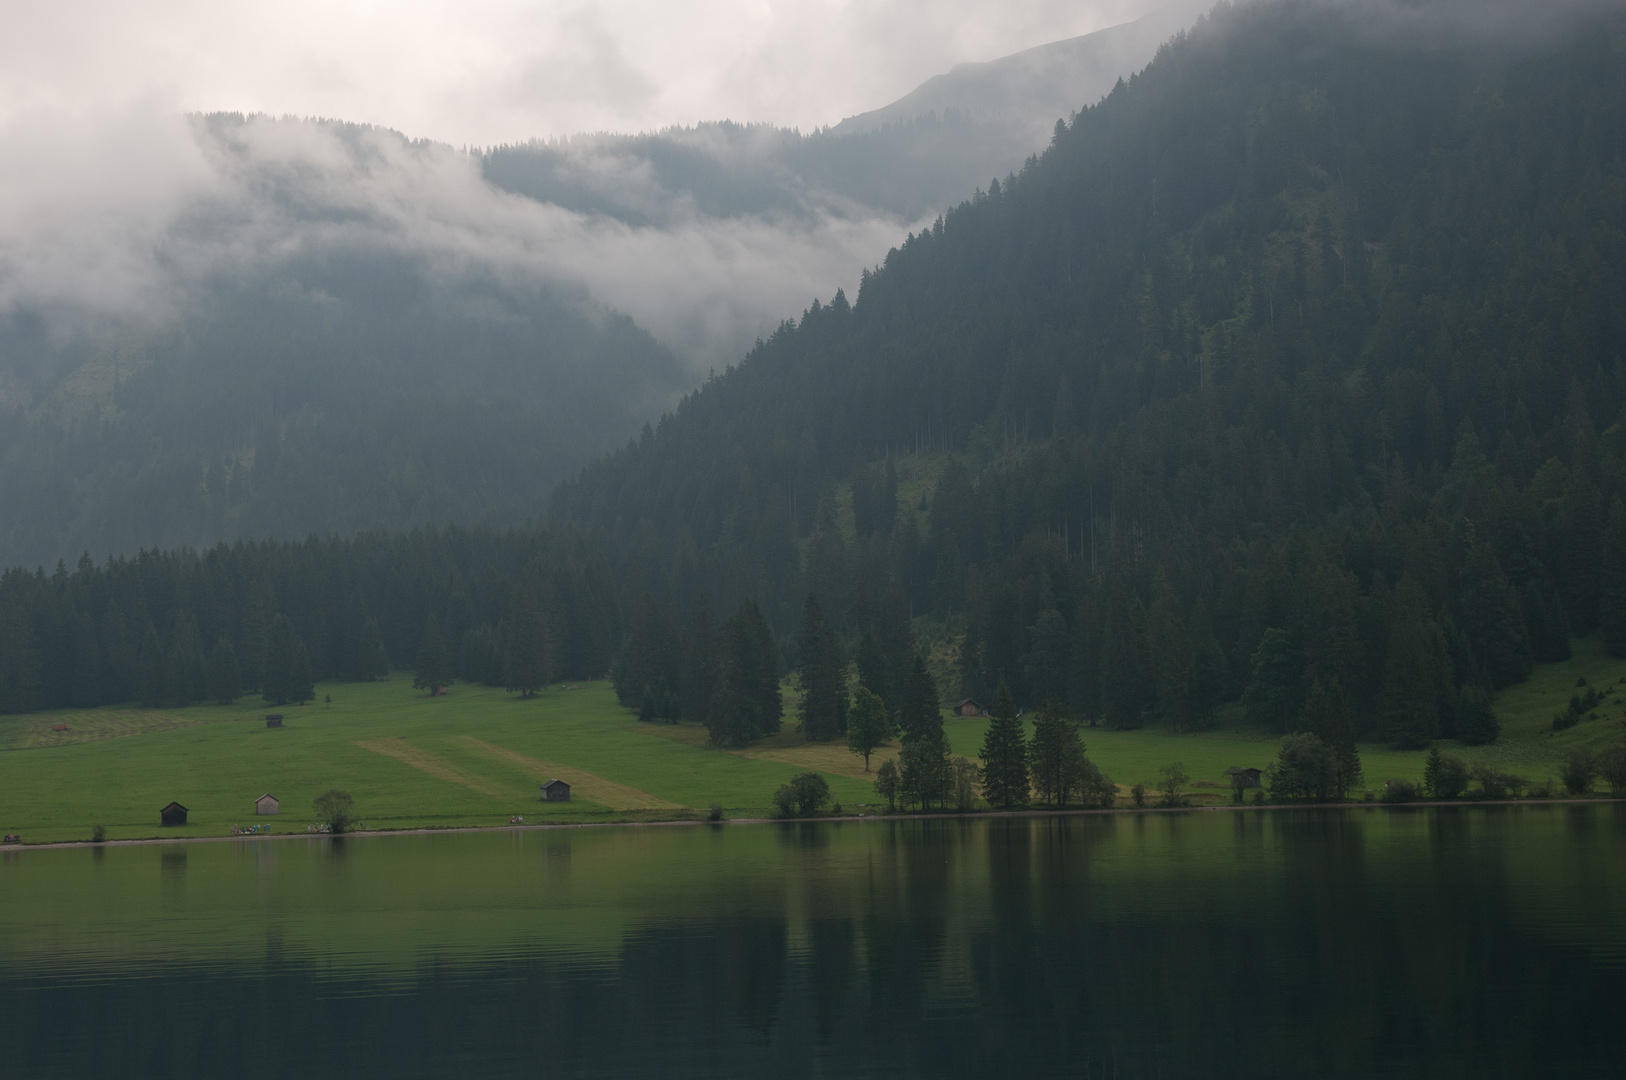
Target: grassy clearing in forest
x=476, y=757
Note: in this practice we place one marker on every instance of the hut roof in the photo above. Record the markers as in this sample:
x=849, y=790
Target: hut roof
x=553, y=783
x=174, y=806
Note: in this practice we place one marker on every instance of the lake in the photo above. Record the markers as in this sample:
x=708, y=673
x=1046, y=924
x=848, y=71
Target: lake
x=1461, y=941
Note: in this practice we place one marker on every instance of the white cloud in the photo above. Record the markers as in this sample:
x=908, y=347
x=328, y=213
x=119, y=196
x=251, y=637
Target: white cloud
x=488, y=71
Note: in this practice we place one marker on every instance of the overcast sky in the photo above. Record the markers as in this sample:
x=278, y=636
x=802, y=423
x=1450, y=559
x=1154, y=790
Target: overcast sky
x=481, y=72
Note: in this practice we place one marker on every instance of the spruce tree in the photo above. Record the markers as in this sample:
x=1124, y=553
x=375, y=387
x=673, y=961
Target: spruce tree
x=432, y=670
x=225, y=679
x=1491, y=618
x=746, y=704
x=87, y=665
x=1005, y=754
x=150, y=669
x=372, y=659
x=524, y=661
x=281, y=681
x=923, y=759
x=1057, y=755
x=1327, y=714
x=301, y=687
x=823, y=676
x=872, y=670
x=1612, y=581
x=697, y=682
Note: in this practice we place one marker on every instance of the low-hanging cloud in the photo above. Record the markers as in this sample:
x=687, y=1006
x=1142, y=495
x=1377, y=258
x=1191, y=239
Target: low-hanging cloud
x=128, y=215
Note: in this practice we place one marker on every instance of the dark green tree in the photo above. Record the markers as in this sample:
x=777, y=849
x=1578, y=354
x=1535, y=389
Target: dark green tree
x=525, y=648
x=1059, y=765
x=225, y=681
x=87, y=664
x=1492, y=619
x=867, y=724
x=432, y=669
x=887, y=783
x=1005, y=754
x=1272, y=696
x=823, y=674
x=1049, y=647
x=150, y=669
x=1612, y=581
x=747, y=704
x=1305, y=769
x=1327, y=713
x=872, y=670
x=335, y=809
x=287, y=666
x=1477, y=724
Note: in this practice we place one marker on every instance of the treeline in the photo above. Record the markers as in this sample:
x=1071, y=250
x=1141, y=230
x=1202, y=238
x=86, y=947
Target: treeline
x=515, y=608
x=1295, y=363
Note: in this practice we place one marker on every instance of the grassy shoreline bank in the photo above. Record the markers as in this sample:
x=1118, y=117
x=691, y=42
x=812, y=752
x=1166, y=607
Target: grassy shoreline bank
x=474, y=759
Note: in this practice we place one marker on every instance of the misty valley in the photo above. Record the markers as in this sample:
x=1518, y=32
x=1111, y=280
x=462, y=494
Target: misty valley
x=1111, y=564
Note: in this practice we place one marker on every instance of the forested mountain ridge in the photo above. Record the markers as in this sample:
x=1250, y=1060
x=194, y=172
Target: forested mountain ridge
x=1294, y=362
x=1297, y=359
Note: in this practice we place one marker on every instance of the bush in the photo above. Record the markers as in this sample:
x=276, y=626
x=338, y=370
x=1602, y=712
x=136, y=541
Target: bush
x=805, y=795
x=1612, y=767
x=1138, y=793
x=886, y=783
x=1305, y=768
x=1495, y=784
x=1400, y=791
x=714, y=812
x=334, y=808
x=98, y=834
x=1444, y=777
x=1579, y=772
x=1173, y=777
x=963, y=774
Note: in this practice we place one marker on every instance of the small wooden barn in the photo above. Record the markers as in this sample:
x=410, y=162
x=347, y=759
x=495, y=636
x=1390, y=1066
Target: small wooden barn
x=173, y=814
x=266, y=804
x=968, y=708
x=555, y=791
x=273, y=719
x=1244, y=778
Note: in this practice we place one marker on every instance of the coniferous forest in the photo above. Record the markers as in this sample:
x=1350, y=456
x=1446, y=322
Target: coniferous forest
x=1291, y=371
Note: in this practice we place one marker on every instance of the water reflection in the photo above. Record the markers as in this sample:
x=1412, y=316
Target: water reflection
x=1465, y=941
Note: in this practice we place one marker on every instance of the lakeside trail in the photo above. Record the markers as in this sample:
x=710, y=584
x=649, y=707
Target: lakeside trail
x=845, y=818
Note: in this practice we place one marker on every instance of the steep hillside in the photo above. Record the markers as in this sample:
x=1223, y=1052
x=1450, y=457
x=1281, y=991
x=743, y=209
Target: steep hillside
x=1296, y=360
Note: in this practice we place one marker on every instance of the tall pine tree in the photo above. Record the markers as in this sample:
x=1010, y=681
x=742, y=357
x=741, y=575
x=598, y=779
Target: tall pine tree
x=823, y=675
x=1005, y=754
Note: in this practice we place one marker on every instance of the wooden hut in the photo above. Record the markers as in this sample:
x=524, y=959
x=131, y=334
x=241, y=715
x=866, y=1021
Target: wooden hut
x=266, y=804
x=968, y=708
x=173, y=814
x=273, y=719
x=555, y=791
x=1244, y=778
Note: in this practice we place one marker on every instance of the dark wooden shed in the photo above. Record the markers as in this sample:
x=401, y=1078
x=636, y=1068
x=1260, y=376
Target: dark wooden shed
x=173, y=814
x=273, y=720
x=555, y=791
x=1243, y=778
x=968, y=708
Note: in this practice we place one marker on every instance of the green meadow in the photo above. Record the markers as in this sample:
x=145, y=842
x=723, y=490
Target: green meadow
x=476, y=756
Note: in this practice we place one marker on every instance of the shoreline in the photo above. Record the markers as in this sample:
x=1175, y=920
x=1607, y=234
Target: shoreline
x=844, y=818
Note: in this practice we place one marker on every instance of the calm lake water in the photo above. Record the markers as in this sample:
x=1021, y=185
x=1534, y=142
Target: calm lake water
x=1457, y=942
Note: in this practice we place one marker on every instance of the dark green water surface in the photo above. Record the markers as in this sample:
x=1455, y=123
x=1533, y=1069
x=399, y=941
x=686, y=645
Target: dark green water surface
x=1466, y=942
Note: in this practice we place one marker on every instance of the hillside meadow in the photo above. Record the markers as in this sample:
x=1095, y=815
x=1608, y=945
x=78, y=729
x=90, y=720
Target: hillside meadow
x=475, y=757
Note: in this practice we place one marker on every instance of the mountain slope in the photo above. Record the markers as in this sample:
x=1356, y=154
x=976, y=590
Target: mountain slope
x=1297, y=359
x=1025, y=93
